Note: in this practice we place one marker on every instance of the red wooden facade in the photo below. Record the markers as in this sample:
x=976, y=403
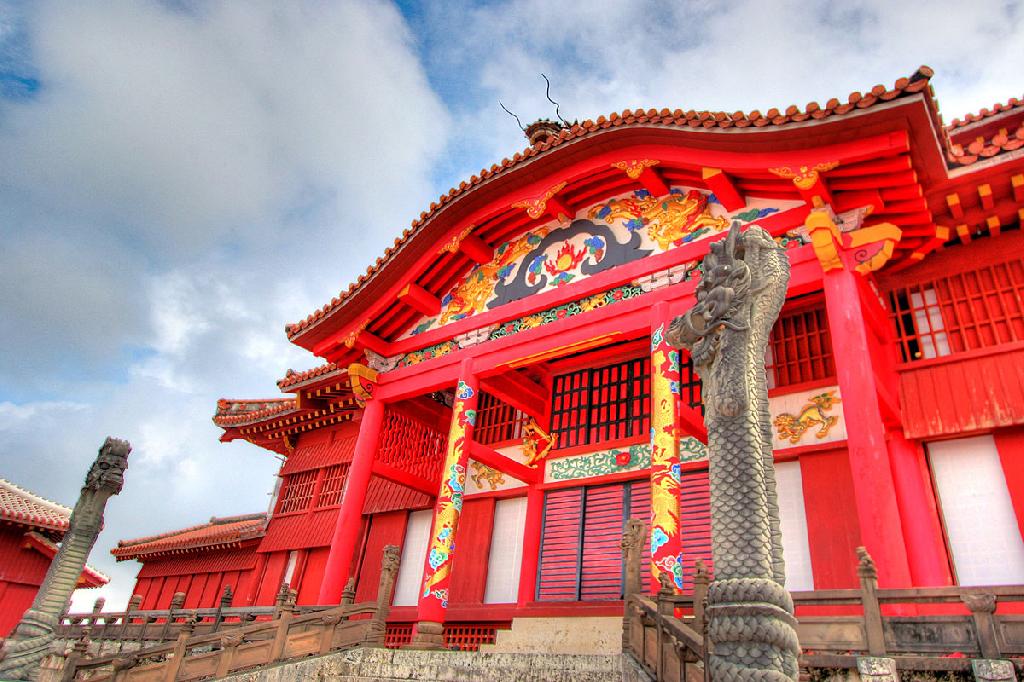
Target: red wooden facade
x=30, y=527
x=490, y=388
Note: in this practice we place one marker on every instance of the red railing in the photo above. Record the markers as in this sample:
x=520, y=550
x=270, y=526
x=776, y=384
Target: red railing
x=410, y=445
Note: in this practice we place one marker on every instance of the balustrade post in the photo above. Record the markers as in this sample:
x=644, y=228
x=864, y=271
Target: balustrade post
x=180, y=649
x=287, y=613
x=228, y=646
x=701, y=581
x=376, y=632
x=983, y=608
x=225, y=602
x=121, y=667
x=79, y=652
x=177, y=601
x=632, y=556
x=133, y=605
x=874, y=632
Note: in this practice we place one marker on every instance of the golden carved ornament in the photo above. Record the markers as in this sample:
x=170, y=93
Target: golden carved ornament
x=350, y=339
x=535, y=207
x=453, y=245
x=804, y=177
x=635, y=167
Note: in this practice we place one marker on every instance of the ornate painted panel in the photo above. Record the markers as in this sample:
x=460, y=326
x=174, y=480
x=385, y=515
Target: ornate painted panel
x=600, y=237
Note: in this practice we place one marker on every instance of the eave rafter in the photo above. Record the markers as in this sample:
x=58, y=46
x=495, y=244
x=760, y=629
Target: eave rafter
x=873, y=172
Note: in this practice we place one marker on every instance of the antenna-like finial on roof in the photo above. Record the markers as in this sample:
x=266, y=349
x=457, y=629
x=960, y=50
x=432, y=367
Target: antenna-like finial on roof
x=547, y=93
x=512, y=115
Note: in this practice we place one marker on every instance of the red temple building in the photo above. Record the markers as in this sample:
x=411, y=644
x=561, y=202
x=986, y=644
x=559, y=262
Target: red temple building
x=497, y=398
x=30, y=527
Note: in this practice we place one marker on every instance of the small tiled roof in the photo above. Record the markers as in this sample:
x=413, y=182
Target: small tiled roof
x=996, y=109
x=18, y=505
x=293, y=378
x=241, y=412
x=89, y=578
x=982, y=148
x=219, y=532
x=707, y=120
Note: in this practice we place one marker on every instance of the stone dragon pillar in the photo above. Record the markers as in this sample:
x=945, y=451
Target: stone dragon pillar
x=33, y=638
x=750, y=613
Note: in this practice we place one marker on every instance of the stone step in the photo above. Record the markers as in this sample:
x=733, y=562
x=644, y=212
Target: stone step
x=445, y=666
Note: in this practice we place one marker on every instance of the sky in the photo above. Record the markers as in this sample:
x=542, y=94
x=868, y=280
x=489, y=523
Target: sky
x=180, y=179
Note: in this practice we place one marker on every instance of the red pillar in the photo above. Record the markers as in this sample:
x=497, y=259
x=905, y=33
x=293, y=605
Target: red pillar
x=666, y=545
x=874, y=489
x=531, y=545
x=348, y=527
x=1010, y=444
x=926, y=549
x=433, y=600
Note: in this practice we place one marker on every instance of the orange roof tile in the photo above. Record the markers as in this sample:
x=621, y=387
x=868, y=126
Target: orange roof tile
x=707, y=120
x=293, y=378
x=982, y=148
x=241, y=412
x=218, y=532
x=18, y=505
x=1013, y=103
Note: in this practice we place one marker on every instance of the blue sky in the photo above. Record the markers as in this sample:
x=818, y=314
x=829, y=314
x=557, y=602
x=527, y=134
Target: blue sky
x=180, y=179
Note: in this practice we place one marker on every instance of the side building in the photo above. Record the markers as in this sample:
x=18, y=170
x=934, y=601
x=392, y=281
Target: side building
x=30, y=528
x=497, y=397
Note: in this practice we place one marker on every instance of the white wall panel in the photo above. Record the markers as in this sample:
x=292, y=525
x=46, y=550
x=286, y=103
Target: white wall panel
x=795, y=547
x=506, y=558
x=414, y=554
x=980, y=522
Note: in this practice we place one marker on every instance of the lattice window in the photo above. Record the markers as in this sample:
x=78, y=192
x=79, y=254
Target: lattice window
x=691, y=385
x=298, y=492
x=397, y=635
x=965, y=311
x=469, y=637
x=800, y=348
x=605, y=403
x=497, y=421
x=334, y=483
x=410, y=445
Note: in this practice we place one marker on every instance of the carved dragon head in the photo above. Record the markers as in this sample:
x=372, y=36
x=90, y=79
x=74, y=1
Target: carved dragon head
x=721, y=292
x=107, y=472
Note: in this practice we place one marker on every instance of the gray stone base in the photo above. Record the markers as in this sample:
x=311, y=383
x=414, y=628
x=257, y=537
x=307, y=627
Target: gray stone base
x=874, y=669
x=990, y=670
x=361, y=665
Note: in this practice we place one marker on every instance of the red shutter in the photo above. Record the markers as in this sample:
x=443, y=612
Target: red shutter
x=640, y=508
x=695, y=518
x=601, y=575
x=560, y=545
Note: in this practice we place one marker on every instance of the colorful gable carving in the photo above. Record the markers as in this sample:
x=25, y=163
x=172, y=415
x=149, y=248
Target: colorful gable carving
x=600, y=238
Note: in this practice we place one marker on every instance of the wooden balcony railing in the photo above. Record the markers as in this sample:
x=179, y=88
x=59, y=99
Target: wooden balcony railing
x=289, y=634
x=936, y=629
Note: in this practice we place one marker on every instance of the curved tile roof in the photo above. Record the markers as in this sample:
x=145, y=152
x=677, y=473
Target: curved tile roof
x=707, y=120
x=1013, y=103
x=240, y=412
x=218, y=532
x=293, y=378
x=18, y=505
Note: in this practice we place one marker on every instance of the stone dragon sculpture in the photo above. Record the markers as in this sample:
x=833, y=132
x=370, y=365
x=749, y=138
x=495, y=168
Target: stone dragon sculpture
x=750, y=613
x=33, y=638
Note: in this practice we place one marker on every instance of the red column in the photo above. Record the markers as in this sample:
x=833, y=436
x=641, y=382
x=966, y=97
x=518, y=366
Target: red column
x=926, y=549
x=347, y=529
x=433, y=600
x=666, y=546
x=874, y=489
x=531, y=545
x=1010, y=444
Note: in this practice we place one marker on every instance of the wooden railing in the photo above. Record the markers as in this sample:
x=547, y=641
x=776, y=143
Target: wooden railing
x=923, y=629
x=290, y=634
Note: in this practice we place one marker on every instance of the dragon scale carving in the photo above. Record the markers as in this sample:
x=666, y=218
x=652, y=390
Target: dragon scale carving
x=33, y=638
x=751, y=624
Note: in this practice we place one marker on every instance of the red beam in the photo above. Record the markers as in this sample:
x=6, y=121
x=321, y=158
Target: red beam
x=652, y=182
x=845, y=201
x=418, y=298
x=505, y=465
x=723, y=187
x=405, y=478
x=476, y=249
x=1017, y=182
x=691, y=422
x=985, y=195
x=955, y=208
x=557, y=208
x=521, y=393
